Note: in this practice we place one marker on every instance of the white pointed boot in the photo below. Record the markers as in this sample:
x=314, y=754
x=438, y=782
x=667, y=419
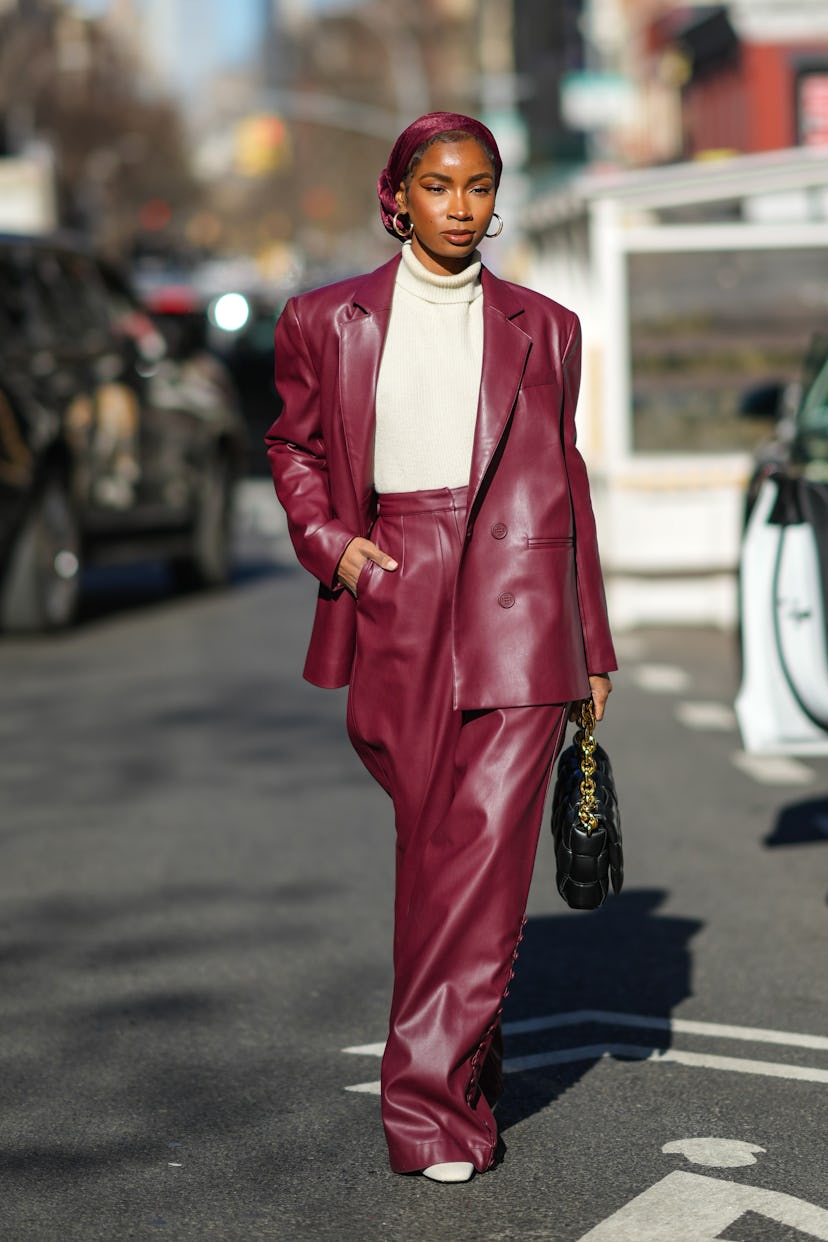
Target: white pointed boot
x=453, y=1171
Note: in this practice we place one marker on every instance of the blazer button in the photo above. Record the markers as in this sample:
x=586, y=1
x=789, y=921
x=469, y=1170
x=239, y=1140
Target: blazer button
x=506, y=600
x=499, y=530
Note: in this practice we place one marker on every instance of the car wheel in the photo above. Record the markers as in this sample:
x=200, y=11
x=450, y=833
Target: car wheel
x=41, y=586
x=209, y=562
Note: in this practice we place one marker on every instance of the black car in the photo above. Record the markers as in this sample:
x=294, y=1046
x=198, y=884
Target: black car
x=115, y=443
x=238, y=329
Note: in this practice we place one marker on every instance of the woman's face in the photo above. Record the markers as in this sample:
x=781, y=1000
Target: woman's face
x=449, y=200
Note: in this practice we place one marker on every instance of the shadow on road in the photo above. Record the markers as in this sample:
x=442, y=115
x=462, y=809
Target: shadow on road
x=626, y=958
x=801, y=823
x=131, y=1030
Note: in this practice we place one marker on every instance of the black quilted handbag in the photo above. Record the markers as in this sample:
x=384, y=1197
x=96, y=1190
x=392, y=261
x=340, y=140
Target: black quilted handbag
x=586, y=824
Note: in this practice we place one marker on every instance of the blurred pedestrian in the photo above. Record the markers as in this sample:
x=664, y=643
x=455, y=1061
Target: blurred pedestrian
x=426, y=460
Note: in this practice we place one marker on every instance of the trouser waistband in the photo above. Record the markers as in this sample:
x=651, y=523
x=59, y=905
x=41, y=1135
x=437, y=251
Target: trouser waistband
x=428, y=501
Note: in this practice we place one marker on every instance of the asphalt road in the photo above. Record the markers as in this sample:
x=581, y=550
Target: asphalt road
x=196, y=918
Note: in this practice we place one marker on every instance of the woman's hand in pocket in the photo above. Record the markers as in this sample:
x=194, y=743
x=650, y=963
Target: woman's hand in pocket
x=354, y=558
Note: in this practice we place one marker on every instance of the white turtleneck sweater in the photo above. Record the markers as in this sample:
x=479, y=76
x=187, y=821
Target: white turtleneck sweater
x=429, y=379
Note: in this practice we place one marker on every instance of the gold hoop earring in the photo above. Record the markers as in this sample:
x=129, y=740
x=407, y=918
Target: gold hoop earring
x=395, y=224
x=495, y=216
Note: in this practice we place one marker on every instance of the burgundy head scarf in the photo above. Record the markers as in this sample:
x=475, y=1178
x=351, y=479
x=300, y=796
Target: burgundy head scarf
x=418, y=132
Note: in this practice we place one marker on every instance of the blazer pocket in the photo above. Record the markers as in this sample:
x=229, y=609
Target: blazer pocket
x=538, y=381
x=551, y=541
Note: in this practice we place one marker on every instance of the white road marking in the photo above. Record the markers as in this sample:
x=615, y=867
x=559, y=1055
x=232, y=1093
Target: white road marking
x=365, y=1088
x=664, y=1056
x=366, y=1050
x=773, y=769
x=684, y=1026
x=661, y=678
x=636, y=1052
x=639, y=1052
x=707, y=716
x=714, y=1153
x=690, y=1207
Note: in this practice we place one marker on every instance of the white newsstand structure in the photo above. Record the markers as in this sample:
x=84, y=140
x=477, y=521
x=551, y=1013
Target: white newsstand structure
x=669, y=522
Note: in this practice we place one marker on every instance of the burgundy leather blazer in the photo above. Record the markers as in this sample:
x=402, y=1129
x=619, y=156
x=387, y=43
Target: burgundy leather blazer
x=529, y=620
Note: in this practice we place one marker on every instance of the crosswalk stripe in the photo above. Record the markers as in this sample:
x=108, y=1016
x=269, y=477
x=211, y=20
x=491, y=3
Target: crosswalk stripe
x=685, y=1026
x=660, y=678
x=709, y=717
x=656, y=1056
x=681, y=1026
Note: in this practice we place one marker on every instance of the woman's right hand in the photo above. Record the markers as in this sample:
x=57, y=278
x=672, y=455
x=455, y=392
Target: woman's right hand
x=353, y=559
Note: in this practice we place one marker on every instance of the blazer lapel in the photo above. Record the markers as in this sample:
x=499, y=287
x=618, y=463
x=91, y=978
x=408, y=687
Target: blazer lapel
x=505, y=351
x=362, y=339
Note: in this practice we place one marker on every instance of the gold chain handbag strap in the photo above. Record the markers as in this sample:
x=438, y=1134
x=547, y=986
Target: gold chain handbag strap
x=585, y=741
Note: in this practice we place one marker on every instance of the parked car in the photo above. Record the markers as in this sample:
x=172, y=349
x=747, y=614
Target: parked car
x=782, y=704
x=800, y=412
x=238, y=329
x=115, y=444
x=230, y=309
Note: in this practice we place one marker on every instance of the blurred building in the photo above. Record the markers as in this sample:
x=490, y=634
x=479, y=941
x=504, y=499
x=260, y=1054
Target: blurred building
x=684, y=79
x=288, y=107
x=758, y=76
x=71, y=92
x=695, y=249
x=348, y=81
x=549, y=47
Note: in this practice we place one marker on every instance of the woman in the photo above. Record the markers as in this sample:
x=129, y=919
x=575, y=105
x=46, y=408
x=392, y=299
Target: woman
x=426, y=459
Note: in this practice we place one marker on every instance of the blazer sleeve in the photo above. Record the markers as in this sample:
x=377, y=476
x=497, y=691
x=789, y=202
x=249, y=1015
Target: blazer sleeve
x=297, y=454
x=598, y=647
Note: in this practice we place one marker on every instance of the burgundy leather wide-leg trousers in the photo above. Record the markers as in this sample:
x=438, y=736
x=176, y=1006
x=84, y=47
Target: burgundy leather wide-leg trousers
x=468, y=790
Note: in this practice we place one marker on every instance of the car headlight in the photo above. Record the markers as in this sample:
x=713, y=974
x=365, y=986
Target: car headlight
x=230, y=312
